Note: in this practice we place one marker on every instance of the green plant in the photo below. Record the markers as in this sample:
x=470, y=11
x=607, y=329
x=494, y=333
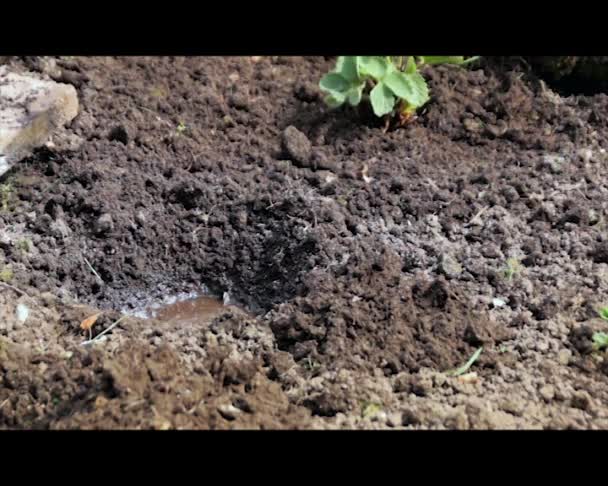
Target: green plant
x=392, y=83
x=181, y=128
x=24, y=244
x=6, y=191
x=512, y=268
x=6, y=275
x=369, y=409
x=600, y=341
x=464, y=368
x=311, y=365
x=603, y=313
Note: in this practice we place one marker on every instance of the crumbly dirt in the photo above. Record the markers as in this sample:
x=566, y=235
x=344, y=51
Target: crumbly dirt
x=371, y=264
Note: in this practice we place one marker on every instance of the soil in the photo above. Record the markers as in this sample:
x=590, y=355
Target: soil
x=370, y=264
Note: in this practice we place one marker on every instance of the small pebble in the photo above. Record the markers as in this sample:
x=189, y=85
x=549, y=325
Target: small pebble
x=22, y=312
x=104, y=224
x=393, y=419
x=547, y=393
x=229, y=412
x=140, y=217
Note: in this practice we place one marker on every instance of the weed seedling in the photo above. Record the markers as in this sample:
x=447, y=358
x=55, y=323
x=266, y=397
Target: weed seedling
x=369, y=409
x=181, y=128
x=392, y=84
x=158, y=92
x=512, y=268
x=311, y=365
x=464, y=368
x=6, y=275
x=6, y=191
x=600, y=341
x=24, y=245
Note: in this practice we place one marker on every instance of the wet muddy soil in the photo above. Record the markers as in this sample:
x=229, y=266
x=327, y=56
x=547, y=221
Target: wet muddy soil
x=364, y=265
x=184, y=310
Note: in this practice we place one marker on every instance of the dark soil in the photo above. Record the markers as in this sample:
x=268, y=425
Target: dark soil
x=371, y=262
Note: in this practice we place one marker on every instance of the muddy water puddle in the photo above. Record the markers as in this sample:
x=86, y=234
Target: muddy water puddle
x=197, y=309
x=186, y=309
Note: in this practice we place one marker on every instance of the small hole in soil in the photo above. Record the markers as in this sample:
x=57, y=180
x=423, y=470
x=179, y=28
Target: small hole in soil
x=196, y=308
x=183, y=308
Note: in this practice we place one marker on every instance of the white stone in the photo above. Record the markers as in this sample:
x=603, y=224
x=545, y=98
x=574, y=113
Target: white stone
x=22, y=312
x=31, y=109
x=498, y=302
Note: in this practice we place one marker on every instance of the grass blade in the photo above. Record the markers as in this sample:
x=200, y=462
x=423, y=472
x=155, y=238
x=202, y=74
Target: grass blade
x=464, y=368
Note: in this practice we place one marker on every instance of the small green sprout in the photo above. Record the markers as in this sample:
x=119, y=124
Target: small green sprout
x=311, y=365
x=512, y=268
x=392, y=84
x=25, y=245
x=6, y=191
x=369, y=409
x=600, y=341
x=181, y=128
x=464, y=368
x=158, y=92
x=603, y=313
x=6, y=274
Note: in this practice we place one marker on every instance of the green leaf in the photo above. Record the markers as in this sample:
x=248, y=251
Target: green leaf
x=397, y=61
x=410, y=67
x=410, y=87
x=347, y=67
x=355, y=94
x=335, y=100
x=603, y=312
x=463, y=369
x=374, y=66
x=443, y=59
x=600, y=341
x=334, y=83
x=382, y=99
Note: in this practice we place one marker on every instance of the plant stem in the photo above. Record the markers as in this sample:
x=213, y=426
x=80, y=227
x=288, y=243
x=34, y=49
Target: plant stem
x=470, y=60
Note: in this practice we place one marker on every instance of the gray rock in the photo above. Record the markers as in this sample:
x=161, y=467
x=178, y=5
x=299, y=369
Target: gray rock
x=31, y=109
x=229, y=412
x=140, y=217
x=104, y=224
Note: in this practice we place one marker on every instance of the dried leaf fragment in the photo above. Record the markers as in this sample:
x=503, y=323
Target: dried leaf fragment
x=89, y=322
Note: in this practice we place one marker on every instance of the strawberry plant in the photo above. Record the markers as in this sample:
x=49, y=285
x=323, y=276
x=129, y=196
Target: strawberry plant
x=393, y=84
